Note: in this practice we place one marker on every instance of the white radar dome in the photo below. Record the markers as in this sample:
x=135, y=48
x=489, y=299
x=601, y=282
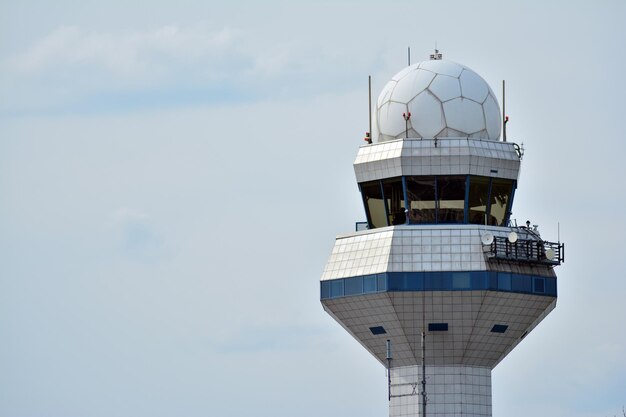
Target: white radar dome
x=444, y=100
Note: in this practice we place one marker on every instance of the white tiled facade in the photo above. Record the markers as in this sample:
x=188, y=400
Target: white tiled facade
x=470, y=316
x=451, y=391
x=425, y=248
x=359, y=254
x=447, y=156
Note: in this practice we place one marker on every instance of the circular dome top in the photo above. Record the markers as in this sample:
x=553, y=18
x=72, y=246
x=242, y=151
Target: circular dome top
x=444, y=100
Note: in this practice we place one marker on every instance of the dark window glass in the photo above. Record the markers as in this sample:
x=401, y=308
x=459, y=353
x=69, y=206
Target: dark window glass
x=325, y=289
x=478, y=199
x=499, y=328
x=435, y=281
x=540, y=286
x=461, y=280
x=480, y=280
x=438, y=281
x=376, y=330
x=493, y=280
x=381, y=282
x=421, y=195
x=374, y=204
x=451, y=195
x=394, y=198
x=437, y=327
x=336, y=288
x=521, y=283
x=353, y=286
x=396, y=282
x=413, y=281
x=504, y=281
x=500, y=195
x=369, y=283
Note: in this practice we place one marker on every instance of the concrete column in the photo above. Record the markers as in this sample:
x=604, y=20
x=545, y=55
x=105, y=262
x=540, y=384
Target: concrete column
x=451, y=391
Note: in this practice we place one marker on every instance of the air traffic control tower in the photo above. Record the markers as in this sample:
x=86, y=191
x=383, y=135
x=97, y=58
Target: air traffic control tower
x=440, y=284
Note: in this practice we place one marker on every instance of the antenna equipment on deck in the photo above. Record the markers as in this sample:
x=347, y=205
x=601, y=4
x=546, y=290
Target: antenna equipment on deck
x=389, y=369
x=505, y=118
x=368, y=134
x=436, y=56
x=487, y=238
x=407, y=117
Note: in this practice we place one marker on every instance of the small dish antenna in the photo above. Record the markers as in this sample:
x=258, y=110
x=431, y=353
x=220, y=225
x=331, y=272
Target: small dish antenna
x=550, y=254
x=512, y=237
x=487, y=238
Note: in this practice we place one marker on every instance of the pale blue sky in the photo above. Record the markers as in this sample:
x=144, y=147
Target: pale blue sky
x=173, y=175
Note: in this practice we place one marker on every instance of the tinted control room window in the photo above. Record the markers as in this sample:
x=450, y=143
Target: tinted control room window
x=394, y=197
x=451, y=195
x=478, y=200
x=374, y=203
x=422, y=202
x=500, y=194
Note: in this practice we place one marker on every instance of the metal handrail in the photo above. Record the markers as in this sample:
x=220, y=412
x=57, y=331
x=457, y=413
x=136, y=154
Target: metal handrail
x=359, y=226
x=528, y=250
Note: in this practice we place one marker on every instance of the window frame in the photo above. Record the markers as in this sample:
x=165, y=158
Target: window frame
x=404, y=179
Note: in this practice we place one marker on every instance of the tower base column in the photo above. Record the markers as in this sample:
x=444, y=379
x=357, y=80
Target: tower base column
x=451, y=391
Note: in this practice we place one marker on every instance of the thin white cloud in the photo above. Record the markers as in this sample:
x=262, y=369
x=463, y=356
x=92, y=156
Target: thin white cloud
x=137, y=237
x=73, y=68
x=124, y=214
x=131, y=55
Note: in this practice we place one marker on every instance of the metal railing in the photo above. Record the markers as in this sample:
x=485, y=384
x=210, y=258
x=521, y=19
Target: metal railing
x=361, y=226
x=527, y=250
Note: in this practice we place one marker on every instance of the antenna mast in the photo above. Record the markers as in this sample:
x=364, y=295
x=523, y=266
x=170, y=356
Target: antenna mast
x=409, y=55
x=389, y=368
x=504, y=118
x=423, y=373
x=424, y=399
x=406, y=116
x=369, y=95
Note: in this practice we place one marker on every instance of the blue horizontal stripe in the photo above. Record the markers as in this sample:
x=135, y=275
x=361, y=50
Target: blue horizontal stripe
x=438, y=281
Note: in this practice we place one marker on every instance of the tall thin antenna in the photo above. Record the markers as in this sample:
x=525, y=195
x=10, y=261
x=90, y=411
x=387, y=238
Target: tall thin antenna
x=407, y=117
x=389, y=368
x=504, y=118
x=369, y=93
x=409, y=55
x=424, y=372
x=423, y=354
